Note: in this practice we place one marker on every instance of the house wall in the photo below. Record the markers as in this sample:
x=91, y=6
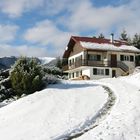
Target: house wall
x=119, y=72
x=105, y=56
x=130, y=64
x=77, y=55
x=75, y=73
x=76, y=49
x=92, y=76
x=88, y=71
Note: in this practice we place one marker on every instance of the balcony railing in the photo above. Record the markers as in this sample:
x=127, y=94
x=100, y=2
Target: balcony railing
x=79, y=63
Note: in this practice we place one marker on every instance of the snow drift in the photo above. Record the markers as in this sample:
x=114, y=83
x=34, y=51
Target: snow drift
x=51, y=112
x=65, y=107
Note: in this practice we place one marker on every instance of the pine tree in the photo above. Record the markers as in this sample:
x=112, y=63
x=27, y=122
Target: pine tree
x=26, y=76
x=124, y=36
x=59, y=63
x=136, y=40
x=101, y=36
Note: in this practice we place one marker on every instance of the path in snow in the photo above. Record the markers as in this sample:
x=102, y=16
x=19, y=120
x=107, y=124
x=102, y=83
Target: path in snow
x=92, y=122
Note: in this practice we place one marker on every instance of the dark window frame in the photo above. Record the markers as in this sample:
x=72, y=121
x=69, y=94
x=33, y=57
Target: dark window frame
x=73, y=75
x=95, y=57
x=94, y=71
x=106, y=71
x=122, y=57
x=131, y=58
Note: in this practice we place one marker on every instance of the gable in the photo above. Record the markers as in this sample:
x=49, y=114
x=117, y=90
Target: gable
x=72, y=48
x=76, y=49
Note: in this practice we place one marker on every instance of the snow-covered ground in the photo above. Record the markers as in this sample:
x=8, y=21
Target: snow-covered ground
x=67, y=107
x=123, y=123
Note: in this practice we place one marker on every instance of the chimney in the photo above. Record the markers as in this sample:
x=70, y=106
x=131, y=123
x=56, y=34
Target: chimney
x=111, y=37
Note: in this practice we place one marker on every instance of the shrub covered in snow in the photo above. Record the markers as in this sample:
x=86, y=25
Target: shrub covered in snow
x=50, y=79
x=6, y=91
x=53, y=70
x=26, y=76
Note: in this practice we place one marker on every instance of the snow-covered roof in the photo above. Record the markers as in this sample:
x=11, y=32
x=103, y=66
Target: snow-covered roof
x=109, y=47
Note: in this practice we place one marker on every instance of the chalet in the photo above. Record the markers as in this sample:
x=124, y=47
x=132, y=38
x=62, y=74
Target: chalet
x=95, y=58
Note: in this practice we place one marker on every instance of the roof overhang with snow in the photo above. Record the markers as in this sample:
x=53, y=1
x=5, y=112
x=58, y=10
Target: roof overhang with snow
x=109, y=47
x=99, y=44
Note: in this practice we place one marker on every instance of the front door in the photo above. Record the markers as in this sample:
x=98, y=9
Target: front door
x=113, y=73
x=113, y=60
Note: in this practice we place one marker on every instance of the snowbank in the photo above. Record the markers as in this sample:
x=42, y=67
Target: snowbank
x=123, y=123
x=51, y=112
x=65, y=107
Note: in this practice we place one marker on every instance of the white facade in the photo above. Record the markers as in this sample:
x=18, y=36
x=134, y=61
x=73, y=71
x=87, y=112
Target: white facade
x=96, y=72
x=97, y=58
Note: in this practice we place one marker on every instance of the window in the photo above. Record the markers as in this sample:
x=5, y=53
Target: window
x=70, y=62
x=77, y=73
x=72, y=75
x=100, y=71
x=94, y=57
x=122, y=57
x=98, y=57
x=106, y=71
x=131, y=58
x=69, y=75
x=81, y=72
x=94, y=71
x=126, y=58
x=78, y=58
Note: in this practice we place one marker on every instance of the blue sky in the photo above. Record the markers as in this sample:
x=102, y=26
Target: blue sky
x=43, y=27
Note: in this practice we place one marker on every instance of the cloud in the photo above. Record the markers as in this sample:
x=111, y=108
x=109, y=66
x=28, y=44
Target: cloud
x=8, y=32
x=15, y=8
x=86, y=17
x=131, y=25
x=66, y=18
x=23, y=50
x=83, y=18
x=54, y=7
x=46, y=33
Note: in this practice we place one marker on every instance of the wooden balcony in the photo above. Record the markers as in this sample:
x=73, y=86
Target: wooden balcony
x=86, y=63
x=79, y=63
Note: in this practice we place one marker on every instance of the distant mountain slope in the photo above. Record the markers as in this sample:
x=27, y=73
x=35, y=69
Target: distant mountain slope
x=45, y=60
x=7, y=62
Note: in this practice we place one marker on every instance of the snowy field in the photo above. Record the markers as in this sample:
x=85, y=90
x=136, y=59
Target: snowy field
x=67, y=108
